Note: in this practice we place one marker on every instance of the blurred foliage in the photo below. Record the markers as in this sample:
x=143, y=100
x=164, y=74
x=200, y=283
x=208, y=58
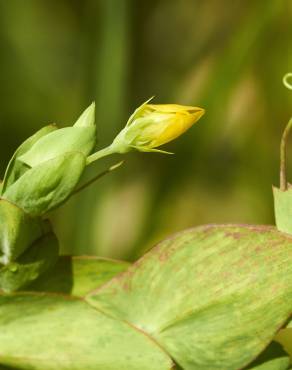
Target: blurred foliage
x=228, y=57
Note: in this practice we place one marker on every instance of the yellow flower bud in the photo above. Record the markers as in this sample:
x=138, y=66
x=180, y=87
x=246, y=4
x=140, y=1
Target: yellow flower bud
x=153, y=125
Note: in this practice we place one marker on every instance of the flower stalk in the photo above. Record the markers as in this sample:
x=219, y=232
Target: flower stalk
x=100, y=154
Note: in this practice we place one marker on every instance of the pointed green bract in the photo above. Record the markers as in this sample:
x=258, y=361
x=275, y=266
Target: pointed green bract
x=47, y=332
x=17, y=231
x=213, y=297
x=79, y=138
x=273, y=358
x=87, y=118
x=285, y=338
x=78, y=275
x=16, y=168
x=69, y=139
x=47, y=185
x=38, y=258
x=283, y=209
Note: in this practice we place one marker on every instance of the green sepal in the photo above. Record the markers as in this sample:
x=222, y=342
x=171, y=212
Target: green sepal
x=47, y=185
x=138, y=111
x=283, y=209
x=41, y=255
x=68, y=139
x=16, y=168
x=17, y=231
x=150, y=150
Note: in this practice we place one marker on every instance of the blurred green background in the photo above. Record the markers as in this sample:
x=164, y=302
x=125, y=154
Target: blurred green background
x=226, y=56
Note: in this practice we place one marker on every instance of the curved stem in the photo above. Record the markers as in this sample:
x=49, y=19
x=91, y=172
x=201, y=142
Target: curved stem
x=283, y=156
x=286, y=79
x=97, y=177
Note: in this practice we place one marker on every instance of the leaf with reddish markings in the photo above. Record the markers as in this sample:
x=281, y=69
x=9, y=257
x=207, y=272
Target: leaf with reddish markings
x=212, y=297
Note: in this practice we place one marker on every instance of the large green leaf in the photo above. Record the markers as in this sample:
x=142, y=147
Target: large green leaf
x=17, y=231
x=69, y=139
x=51, y=332
x=47, y=185
x=78, y=275
x=42, y=255
x=213, y=296
x=16, y=168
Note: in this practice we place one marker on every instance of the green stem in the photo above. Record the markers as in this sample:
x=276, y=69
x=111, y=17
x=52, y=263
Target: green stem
x=100, y=154
x=283, y=156
x=97, y=177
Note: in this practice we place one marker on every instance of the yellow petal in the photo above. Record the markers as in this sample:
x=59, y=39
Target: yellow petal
x=173, y=108
x=176, y=126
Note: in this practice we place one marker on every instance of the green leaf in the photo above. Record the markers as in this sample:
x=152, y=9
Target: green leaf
x=68, y=139
x=47, y=185
x=78, y=275
x=42, y=255
x=17, y=231
x=283, y=209
x=212, y=297
x=51, y=332
x=16, y=168
x=272, y=358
